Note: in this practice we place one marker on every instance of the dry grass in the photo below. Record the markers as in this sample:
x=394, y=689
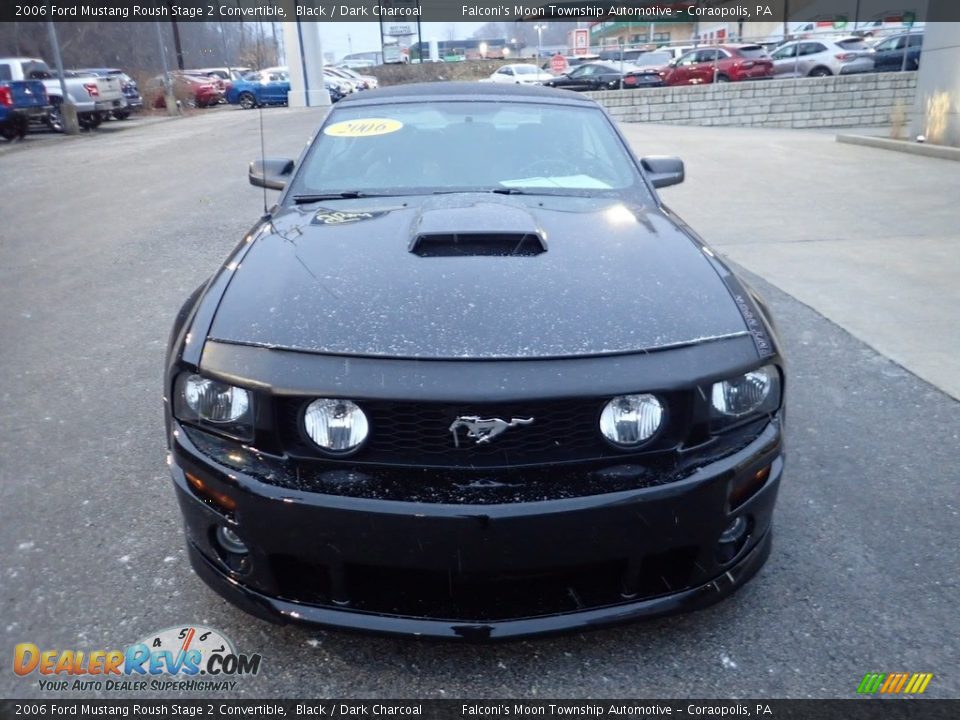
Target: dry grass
x=898, y=121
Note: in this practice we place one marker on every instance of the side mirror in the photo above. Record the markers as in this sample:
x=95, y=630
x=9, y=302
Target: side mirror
x=270, y=173
x=663, y=170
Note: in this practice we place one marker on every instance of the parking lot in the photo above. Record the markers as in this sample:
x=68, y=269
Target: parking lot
x=104, y=235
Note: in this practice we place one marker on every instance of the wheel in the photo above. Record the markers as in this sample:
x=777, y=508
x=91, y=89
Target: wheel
x=722, y=79
x=247, y=101
x=820, y=72
x=121, y=114
x=55, y=116
x=9, y=131
x=89, y=121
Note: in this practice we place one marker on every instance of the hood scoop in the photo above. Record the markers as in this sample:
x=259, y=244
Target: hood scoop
x=461, y=244
x=491, y=229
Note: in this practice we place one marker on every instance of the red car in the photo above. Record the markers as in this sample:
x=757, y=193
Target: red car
x=718, y=63
x=192, y=90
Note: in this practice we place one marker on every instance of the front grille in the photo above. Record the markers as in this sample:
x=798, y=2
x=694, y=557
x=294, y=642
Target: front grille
x=418, y=434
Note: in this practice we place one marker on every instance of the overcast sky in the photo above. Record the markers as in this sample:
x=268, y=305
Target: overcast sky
x=344, y=37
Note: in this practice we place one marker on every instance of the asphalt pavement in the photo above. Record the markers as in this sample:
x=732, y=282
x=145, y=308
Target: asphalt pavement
x=103, y=237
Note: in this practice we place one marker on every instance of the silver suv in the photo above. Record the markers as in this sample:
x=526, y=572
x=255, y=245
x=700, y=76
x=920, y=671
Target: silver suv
x=818, y=58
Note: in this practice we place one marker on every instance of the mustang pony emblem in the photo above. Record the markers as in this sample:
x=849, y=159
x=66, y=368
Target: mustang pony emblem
x=483, y=430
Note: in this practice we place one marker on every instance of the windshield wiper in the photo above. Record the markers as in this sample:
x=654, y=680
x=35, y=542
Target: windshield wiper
x=344, y=195
x=498, y=190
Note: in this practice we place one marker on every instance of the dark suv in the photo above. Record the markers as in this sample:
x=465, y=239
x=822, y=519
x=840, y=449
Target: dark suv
x=898, y=52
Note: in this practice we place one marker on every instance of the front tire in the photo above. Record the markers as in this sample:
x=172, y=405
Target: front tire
x=121, y=114
x=820, y=72
x=247, y=101
x=722, y=79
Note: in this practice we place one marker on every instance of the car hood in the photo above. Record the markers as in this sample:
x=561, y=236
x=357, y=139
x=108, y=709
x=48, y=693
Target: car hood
x=386, y=277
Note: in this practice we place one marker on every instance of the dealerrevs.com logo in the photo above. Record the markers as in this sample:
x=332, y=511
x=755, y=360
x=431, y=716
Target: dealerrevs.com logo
x=176, y=659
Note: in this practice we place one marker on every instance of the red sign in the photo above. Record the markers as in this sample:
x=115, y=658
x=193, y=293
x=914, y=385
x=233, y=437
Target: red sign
x=558, y=63
x=581, y=41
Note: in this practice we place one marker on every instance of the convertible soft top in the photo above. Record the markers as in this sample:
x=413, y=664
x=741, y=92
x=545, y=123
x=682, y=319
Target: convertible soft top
x=461, y=89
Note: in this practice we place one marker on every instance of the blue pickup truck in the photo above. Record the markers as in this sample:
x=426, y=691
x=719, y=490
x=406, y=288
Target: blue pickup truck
x=20, y=102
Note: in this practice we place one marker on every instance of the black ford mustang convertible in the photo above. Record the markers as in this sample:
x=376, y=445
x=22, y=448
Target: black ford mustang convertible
x=469, y=378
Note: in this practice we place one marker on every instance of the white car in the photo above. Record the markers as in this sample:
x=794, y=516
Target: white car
x=676, y=51
x=345, y=85
x=520, y=74
x=819, y=58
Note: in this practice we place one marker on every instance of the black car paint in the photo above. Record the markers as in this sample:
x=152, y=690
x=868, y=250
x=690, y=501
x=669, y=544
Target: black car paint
x=333, y=511
x=607, y=79
x=580, y=297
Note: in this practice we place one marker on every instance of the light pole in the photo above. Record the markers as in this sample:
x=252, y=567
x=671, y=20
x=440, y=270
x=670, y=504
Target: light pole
x=539, y=27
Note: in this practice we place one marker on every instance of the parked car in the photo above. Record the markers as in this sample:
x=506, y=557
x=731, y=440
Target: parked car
x=524, y=431
x=257, y=89
x=637, y=76
x=131, y=92
x=676, y=51
x=819, y=58
x=191, y=90
x=605, y=76
x=20, y=102
x=653, y=59
x=359, y=82
x=572, y=61
x=222, y=85
x=372, y=82
x=333, y=90
x=346, y=86
x=93, y=97
x=719, y=63
x=889, y=53
x=229, y=74
x=616, y=55
x=520, y=74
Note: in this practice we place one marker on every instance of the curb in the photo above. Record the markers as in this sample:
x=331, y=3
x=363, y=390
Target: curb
x=938, y=151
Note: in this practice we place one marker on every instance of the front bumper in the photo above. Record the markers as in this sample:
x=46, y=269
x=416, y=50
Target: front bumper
x=478, y=571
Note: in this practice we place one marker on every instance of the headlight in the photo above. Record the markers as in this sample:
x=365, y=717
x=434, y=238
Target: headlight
x=338, y=427
x=630, y=420
x=753, y=393
x=224, y=408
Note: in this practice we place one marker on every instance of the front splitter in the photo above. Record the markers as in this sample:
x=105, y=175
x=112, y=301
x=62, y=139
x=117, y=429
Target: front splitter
x=284, y=611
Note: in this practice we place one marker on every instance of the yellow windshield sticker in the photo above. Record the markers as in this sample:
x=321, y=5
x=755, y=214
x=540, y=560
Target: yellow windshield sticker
x=363, y=127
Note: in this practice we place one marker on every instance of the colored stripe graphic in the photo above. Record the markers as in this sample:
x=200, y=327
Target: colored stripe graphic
x=870, y=683
x=926, y=681
x=894, y=683
x=901, y=683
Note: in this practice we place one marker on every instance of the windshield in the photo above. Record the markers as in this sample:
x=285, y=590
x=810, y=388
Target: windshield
x=36, y=70
x=415, y=148
x=753, y=51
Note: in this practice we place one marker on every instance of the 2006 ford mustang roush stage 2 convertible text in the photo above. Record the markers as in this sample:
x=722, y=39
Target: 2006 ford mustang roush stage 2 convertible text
x=469, y=378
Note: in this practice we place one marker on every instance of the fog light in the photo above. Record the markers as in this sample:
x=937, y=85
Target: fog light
x=230, y=541
x=628, y=421
x=732, y=540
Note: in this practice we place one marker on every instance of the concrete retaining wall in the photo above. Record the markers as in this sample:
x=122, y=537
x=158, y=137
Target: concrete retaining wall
x=865, y=100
